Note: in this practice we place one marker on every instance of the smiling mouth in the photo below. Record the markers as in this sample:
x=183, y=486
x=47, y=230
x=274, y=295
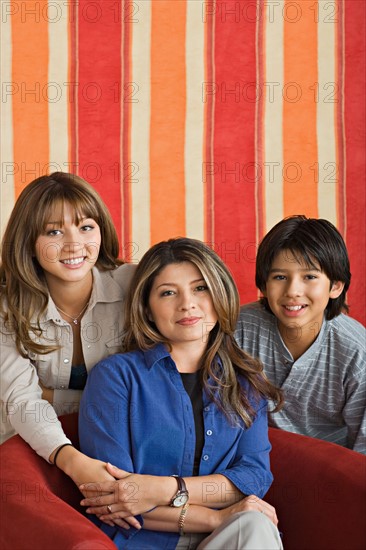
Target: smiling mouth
x=73, y=261
x=294, y=308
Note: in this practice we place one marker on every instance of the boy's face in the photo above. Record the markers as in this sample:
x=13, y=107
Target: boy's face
x=297, y=294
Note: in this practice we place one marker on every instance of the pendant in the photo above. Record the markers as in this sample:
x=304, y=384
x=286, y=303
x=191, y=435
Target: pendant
x=75, y=321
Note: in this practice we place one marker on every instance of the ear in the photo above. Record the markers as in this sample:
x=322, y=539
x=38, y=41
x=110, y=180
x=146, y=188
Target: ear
x=148, y=314
x=336, y=289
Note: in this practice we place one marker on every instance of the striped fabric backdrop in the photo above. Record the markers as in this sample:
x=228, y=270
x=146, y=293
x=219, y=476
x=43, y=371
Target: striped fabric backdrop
x=212, y=119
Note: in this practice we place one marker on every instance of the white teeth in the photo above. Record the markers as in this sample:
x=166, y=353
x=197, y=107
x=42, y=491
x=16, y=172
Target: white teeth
x=73, y=261
x=293, y=308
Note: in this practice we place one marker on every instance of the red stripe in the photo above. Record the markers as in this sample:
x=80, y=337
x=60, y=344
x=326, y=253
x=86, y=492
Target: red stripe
x=234, y=142
x=72, y=95
x=209, y=101
x=355, y=32
x=99, y=100
x=340, y=123
x=129, y=172
x=260, y=129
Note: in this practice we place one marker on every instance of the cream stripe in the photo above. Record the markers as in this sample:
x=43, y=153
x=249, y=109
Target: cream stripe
x=8, y=167
x=327, y=99
x=194, y=130
x=57, y=91
x=273, y=110
x=140, y=130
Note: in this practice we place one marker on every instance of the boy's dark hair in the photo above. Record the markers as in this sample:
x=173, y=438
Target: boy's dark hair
x=309, y=240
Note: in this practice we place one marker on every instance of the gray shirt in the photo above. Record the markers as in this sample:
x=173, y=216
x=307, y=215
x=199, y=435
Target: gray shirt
x=325, y=388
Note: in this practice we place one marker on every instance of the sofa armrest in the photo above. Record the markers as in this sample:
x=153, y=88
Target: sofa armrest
x=40, y=505
x=319, y=492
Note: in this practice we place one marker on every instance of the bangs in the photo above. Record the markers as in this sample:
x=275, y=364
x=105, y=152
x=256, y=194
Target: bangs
x=53, y=209
x=304, y=257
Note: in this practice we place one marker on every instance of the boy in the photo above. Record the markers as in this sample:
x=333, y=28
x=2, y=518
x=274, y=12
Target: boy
x=309, y=348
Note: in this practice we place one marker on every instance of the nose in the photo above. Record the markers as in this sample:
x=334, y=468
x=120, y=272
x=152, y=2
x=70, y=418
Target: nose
x=72, y=242
x=294, y=287
x=186, y=301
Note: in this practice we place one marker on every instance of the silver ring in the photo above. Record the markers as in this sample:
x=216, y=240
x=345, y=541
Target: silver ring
x=109, y=508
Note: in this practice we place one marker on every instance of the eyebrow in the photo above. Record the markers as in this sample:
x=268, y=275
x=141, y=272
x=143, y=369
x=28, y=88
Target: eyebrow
x=277, y=270
x=175, y=284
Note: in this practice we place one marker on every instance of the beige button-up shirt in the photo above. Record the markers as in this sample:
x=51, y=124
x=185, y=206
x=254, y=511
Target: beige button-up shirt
x=23, y=410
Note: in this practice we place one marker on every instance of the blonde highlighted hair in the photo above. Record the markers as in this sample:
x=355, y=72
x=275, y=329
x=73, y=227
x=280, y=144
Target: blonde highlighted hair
x=223, y=360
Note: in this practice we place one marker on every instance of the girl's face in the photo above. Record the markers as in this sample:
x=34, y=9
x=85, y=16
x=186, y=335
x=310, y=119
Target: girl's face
x=66, y=251
x=181, y=305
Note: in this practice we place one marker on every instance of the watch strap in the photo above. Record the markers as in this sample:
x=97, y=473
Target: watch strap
x=182, y=488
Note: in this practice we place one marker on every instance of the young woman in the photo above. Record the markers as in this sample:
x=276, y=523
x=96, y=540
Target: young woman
x=183, y=414
x=62, y=290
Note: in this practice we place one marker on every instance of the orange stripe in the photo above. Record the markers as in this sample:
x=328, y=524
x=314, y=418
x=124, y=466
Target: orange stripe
x=299, y=108
x=168, y=83
x=30, y=107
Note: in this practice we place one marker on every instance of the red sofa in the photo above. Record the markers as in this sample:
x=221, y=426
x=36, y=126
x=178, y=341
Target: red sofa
x=319, y=493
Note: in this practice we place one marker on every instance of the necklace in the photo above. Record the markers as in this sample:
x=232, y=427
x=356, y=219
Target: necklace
x=74, y=319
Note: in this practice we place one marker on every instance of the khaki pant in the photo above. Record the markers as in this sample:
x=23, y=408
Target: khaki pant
x=242, y=531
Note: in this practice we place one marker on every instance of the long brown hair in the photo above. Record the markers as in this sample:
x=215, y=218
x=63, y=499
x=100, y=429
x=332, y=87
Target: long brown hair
x=141, y=333
x=23, y=289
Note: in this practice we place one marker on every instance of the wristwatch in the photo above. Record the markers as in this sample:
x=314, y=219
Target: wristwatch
x=182, y=495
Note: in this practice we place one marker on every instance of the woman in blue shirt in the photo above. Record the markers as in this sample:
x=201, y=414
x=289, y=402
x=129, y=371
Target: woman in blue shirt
x=183, y=413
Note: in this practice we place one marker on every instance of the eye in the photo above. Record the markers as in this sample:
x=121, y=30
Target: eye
x=53, y=232
x=310, y=277
x=87, y=227
x=279, y=277
x=167, y=293
x=201, y=288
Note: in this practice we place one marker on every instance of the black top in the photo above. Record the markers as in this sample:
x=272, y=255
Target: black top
x=78, y=377
x=193, y=386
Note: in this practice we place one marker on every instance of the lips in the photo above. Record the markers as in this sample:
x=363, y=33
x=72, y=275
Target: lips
x=73, y=261
x=293, y=310
x=188, y=321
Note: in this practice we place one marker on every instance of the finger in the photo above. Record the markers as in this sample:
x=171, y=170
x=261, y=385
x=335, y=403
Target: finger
x=108, y=522
x=97, y=510
x=118, y=517
x=270, y=512
x=121, y=523
x=98, y=487
x=98, y=500
x=116, y=472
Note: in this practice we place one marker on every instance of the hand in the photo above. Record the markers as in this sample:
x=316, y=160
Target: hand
x=82, y=469
x=247, y=504
x=129, y=495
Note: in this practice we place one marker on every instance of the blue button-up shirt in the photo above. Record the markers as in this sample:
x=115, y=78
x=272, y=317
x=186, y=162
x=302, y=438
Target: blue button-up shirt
x=136, y=414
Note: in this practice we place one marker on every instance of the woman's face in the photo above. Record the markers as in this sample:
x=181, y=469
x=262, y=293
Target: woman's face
x=181, y=305
x=67, y=251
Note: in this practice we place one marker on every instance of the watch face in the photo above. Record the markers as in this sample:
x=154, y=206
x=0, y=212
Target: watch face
x=180, y=500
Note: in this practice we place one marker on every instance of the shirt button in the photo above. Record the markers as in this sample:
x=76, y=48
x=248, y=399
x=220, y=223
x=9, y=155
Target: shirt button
x=89, y=346
x=207, y=409
x=209, y=432
x=62, y=387
x=205, y=457
x=66, y=360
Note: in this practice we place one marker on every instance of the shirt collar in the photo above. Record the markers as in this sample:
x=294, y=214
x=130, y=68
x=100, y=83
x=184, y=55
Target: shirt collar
x=155, y=354
x=105, y=289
